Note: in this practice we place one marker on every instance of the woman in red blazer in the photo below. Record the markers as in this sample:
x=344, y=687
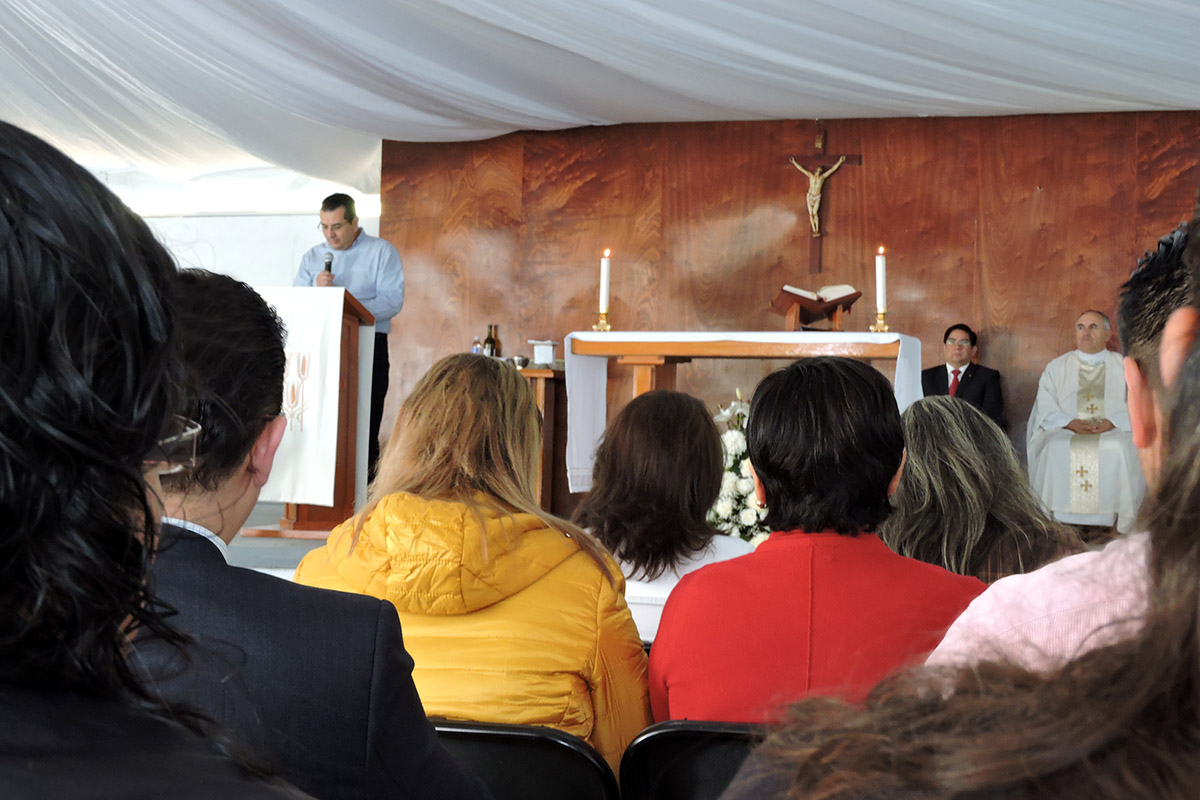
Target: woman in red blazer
x=823, y=606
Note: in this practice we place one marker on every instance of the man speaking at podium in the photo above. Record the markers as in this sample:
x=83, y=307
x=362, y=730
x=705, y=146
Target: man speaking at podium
x=369, y=268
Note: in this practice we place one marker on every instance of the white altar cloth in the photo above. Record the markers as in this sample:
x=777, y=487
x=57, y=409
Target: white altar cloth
x=587, y=379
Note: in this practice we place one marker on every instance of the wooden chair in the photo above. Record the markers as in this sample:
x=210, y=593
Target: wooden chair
x=529, y=762
x=684, y=759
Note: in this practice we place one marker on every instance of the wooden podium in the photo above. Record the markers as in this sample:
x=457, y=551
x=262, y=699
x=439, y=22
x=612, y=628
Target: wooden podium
x=304, y=517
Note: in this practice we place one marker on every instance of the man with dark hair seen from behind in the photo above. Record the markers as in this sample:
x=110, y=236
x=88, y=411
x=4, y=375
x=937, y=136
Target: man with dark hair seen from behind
x=822, y=606
x=316, y=682
x=961, y=377
x=1046, y=617
x=369, y=268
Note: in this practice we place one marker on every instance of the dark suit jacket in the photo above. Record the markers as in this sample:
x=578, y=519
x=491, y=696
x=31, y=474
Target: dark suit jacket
x=316, y=682
x=55, y=745
x=979, y=386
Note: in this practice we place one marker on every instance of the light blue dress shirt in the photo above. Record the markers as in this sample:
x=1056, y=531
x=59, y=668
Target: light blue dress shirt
x=369, y=269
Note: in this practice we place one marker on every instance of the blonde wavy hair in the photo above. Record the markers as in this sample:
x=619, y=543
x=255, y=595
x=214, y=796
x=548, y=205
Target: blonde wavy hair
x=471, y=432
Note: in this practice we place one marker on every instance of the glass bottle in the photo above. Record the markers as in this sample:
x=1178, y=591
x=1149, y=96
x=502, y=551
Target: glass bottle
x=476, y=346
x=491, y=345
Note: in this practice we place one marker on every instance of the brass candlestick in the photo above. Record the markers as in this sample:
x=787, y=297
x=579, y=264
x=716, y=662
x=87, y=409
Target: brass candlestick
x=602, y=322
x=880, y=325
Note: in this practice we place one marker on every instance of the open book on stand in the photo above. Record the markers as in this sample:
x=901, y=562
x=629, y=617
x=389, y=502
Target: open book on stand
x=802, y=307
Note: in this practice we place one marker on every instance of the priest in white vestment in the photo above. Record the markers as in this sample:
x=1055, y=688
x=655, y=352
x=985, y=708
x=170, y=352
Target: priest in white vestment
x=1082, y=461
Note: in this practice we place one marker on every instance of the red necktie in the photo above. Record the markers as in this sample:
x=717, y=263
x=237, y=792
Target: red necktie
x=954, y=382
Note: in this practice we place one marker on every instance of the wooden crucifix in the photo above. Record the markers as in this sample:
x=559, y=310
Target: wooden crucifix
x=816, y=187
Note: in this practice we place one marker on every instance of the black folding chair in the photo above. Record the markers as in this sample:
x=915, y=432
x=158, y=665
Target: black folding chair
x=529, y=762
x=685, y=760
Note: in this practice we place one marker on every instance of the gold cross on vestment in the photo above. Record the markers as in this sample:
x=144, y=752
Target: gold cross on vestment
x=1086, y=486
x=1089, y=396
x=1092, y=408
x=1081, y=472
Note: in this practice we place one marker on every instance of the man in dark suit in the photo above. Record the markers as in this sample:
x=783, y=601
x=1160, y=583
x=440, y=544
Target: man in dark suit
x=964, y=379
x=316, y=684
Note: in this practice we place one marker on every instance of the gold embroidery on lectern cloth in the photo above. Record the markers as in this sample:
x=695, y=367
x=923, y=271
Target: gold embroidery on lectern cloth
x=1085, y=447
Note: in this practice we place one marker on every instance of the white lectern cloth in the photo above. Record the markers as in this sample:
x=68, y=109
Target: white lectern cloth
x=587, y=379
x=306, y=459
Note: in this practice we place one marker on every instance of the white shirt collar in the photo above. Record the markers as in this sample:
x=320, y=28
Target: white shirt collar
x=200, y=530
x=950, y=370
x=1091, y=358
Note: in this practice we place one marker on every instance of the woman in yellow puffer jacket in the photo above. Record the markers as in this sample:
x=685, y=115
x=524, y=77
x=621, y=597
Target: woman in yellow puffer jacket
x=511, y=614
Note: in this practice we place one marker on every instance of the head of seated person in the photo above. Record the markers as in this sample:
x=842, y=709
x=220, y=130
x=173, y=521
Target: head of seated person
x=826, y=446
x=657, y=472
x=469, y=432
x=232, y=349
x=88, y=377
x=963, y=501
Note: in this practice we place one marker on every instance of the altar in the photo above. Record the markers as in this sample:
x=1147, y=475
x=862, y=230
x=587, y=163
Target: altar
x=654, y=354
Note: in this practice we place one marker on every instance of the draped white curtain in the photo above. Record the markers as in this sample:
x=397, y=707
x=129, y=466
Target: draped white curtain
x=183, y=87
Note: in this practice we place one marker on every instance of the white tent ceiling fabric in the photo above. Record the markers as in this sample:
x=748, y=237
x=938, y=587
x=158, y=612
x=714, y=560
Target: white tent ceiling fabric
x=197, y=86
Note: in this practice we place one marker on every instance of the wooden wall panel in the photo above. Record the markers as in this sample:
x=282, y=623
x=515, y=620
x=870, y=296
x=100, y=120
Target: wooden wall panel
x=921, y=201
x=1165, y=184
x=1055, y=240
x=1012, y=224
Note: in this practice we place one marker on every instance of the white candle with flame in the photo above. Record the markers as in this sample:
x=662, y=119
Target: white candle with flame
x=880, y=281
x=604, y=265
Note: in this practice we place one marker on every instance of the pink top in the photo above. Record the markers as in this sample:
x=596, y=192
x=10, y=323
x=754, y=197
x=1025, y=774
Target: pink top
x=1044, y=618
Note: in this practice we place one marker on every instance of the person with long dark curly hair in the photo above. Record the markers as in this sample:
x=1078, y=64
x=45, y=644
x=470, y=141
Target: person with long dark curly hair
x=88, y=387
x=657, y=472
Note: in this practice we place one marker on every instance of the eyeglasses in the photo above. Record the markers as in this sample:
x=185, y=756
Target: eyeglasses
x=176, y=450
x=335, y=227
x=955, y=342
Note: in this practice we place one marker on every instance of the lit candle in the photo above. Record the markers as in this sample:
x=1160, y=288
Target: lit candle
x=880, y=281
x=604, y=264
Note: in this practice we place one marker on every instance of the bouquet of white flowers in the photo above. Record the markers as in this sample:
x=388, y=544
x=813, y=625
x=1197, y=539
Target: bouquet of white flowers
x=735, y=511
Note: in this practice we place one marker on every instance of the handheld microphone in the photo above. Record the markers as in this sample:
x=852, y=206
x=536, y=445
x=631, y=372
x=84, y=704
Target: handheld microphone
x=328, y=262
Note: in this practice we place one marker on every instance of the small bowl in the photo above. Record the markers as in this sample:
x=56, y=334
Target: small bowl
x=520, y=362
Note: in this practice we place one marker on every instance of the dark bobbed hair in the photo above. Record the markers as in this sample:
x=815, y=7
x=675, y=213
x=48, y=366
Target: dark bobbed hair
x=88, y=377
x=1117, y=722
x=825, y=440
x=1160, y=285
x=342, y=201
x=657, y=473
x=961, y=326
x=964, y=501
x=232, y=345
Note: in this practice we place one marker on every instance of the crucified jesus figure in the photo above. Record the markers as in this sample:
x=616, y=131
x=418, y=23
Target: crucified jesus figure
x=816, y=182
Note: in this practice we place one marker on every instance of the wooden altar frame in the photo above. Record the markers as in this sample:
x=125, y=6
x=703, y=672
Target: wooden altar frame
x=654, y=362
x=543, y=382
